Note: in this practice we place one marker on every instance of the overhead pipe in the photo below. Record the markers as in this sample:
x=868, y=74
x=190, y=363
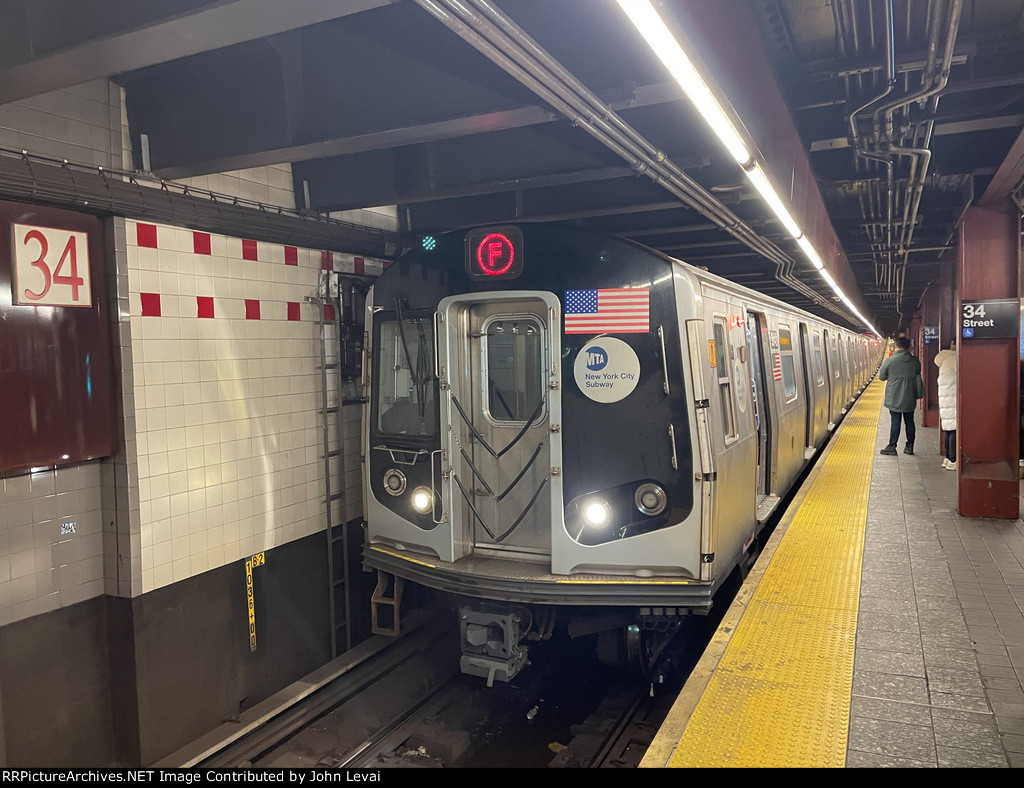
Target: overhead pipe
x=510, y=48
x=890, y=75
x=593, y=120
x=784, y=264
x=915, y=187
x=501, y=30
x=535, y=59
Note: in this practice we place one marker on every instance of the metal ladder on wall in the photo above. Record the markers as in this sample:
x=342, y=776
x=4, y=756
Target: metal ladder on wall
x=335, y=499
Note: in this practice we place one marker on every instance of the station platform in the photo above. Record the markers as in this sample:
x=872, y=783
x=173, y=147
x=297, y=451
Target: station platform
x=878, y=629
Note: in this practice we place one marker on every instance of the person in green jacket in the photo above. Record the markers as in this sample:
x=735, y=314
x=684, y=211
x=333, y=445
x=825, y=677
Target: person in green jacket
x=901, y=371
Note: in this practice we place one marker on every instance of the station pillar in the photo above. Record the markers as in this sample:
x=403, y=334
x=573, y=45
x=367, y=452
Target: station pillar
x=988, y=373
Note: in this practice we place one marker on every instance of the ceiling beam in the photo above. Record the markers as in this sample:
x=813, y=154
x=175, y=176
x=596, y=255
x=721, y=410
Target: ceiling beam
x=643, y=96
x=1008, y=177
x=216, y=25
x=941, y=129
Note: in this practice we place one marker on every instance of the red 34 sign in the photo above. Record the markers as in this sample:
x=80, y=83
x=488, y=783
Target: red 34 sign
x=51, y=267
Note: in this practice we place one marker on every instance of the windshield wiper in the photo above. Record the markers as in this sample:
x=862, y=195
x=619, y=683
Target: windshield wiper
x=417, y=371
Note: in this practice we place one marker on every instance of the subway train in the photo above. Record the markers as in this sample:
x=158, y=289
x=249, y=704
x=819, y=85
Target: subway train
x=569, y=431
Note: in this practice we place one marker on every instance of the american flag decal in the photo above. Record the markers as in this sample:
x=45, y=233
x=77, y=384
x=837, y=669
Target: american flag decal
x=621, y=310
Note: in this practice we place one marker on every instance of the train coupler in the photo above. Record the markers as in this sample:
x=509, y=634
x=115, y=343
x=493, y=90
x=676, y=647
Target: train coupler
x=491, y=643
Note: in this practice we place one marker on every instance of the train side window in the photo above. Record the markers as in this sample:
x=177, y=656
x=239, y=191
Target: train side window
x=722, y=356
x=819, y=375
x=788, y=364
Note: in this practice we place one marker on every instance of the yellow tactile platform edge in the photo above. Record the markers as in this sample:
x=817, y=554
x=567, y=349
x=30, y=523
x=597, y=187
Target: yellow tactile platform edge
x=779, y=695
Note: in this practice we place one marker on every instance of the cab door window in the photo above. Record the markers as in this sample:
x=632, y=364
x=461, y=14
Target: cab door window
x=513, y=367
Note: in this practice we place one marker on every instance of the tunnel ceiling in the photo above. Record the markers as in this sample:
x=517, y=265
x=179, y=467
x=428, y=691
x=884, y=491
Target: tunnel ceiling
x=380, y=103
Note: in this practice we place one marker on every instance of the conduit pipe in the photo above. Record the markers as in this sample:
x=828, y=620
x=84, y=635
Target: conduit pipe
x=890, y=74
x=505, y=44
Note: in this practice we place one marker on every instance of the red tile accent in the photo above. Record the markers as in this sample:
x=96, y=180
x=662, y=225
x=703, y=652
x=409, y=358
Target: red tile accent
x=252, y=309
x=291, y=255
x=360, y=265
x=201, y=243
x=293, y=310
x=150, y=304
x=204, y=306
x=248, y=250
x=326, y=261
x=329, y=312
x=146, y=235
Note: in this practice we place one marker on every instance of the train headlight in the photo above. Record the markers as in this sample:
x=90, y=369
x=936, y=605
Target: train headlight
x=597, y=513
x=650, y=499
x=422, y=500
x=394, y=482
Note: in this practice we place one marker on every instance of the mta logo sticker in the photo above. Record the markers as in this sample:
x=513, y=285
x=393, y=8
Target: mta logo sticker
x=606, y=370
x=597, y=359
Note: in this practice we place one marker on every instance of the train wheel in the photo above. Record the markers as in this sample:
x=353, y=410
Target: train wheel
x=621, y=648
x=634, y=648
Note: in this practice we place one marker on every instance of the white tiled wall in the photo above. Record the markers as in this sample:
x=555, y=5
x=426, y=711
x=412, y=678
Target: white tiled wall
x=226, y=406
x=83, y=124
x=271, y=185
x=41, y=568
x=51, y=540
x=219, y=439
x=383, y=217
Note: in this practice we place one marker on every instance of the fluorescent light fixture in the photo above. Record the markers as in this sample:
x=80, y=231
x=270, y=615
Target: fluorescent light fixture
x=760, y=181
x=660, y=39
x=809, y=252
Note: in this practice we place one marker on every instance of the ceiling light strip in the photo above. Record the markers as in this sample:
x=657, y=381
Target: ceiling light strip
x=655, y=32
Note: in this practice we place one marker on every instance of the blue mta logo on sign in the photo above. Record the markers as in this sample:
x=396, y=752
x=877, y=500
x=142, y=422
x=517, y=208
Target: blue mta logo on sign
x=597, y=359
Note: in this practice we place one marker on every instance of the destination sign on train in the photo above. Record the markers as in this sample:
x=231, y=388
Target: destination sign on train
x=494, y=253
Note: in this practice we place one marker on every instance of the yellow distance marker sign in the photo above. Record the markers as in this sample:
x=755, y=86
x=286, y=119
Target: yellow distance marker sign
x=257, y=560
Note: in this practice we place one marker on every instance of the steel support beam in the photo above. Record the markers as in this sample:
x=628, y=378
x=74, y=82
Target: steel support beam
x=643, y=96
x=1007, y=177
x=216, y=25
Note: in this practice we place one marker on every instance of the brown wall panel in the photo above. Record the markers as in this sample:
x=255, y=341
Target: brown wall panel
x=118, y=682
x=55, y=363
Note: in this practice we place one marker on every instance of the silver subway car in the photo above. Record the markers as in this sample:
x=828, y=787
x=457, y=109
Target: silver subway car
x=569, y=430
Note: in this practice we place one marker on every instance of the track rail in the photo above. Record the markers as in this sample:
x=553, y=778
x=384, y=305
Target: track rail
x=372, y=669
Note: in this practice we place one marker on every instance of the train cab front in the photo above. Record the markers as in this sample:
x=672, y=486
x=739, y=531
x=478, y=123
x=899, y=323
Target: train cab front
x=494, y=475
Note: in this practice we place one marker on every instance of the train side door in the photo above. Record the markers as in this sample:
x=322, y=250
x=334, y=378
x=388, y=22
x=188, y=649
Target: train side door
x=756, y=335
x=831, y=373
x=497, y=361
x=809, y=391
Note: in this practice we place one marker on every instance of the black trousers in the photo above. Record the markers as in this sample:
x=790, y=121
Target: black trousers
x=951, y=445
x=894, y=429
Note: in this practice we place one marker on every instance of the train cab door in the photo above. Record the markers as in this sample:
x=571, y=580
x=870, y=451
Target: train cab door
x=756, y=337
x=497, y=362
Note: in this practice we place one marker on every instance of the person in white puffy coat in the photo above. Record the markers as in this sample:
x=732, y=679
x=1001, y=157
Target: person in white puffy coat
x=945, y=360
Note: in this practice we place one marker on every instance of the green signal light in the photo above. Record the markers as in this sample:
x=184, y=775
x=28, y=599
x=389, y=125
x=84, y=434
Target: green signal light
x=429, y=243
